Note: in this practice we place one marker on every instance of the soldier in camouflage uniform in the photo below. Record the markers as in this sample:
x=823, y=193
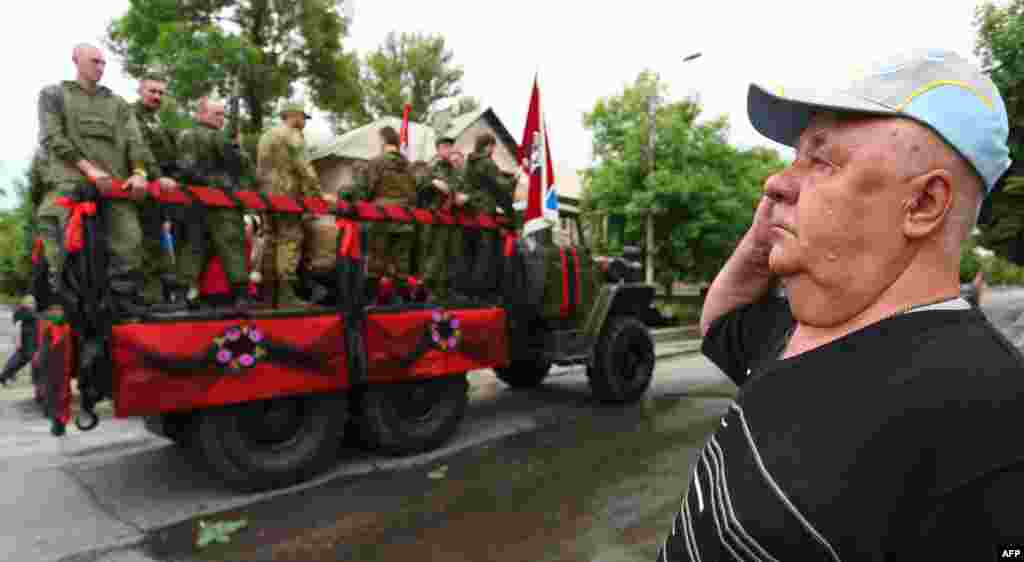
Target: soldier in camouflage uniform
x=442, y=244
x=91, y=133
x=491, y=190
x=388, y=181
x=285, y=169
x=156, y=218
x=208, y=158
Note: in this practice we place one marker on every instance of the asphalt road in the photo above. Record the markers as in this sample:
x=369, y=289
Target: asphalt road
x=119, y=494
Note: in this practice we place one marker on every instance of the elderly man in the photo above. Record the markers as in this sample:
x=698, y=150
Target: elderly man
x=90, y=133
x=866, y=400
x=206, y=157
x=284, y=169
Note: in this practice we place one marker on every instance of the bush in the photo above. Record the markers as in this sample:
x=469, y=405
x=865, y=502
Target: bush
x=999, y=271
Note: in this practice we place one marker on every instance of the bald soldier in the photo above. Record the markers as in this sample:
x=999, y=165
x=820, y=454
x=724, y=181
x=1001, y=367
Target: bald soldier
x=284, y=169
x=208, y=158
x=89, y=133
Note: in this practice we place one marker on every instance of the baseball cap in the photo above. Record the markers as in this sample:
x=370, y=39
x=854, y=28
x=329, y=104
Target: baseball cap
x=935, y=87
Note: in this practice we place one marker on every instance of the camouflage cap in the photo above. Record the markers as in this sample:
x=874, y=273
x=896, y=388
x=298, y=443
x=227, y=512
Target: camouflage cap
x=294, y=107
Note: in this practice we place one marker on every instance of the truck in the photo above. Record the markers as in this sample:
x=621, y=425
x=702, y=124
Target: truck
x=266, y=397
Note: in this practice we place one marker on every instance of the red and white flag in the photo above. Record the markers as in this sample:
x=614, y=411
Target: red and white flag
x=535, y=156
x=404, y=135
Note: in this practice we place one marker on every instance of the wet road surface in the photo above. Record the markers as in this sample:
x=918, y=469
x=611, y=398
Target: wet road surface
x=601, y=486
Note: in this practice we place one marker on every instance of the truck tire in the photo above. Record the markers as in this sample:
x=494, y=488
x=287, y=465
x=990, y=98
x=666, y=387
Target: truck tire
x=273, y=443
x=623, y=364
x=524, y=373
x=409, y=418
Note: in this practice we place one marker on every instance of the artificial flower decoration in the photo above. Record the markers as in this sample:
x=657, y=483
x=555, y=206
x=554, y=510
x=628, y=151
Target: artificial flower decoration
x=239, y=348
x=444, y=331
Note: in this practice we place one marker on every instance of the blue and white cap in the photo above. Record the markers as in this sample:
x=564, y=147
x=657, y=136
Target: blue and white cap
x=935, y=87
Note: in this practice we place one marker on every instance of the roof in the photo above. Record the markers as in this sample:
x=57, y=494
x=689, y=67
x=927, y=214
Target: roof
x=364, y=144
x=459, y=124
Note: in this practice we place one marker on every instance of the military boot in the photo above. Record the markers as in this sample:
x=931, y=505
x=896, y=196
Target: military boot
x=286, y=297
x=125, y=296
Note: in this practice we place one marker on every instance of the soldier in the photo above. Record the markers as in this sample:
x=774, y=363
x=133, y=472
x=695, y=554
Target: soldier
x=157, y=218
x=284, y=169
x=90, y=133
x=388, y=181
x=206, y=157
x=492, y=190
x=441, y=243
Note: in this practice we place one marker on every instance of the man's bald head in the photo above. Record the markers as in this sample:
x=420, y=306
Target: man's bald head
x=90, y=63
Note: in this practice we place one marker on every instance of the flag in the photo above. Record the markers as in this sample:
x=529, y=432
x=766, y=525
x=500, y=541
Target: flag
x=405, y=149
x=535, y=155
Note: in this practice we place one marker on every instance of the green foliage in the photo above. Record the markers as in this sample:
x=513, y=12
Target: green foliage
x=411, y=68
x=17, y=231
x=703, y=191
x=1000, y=46
x=970, y=263
x=203, y=46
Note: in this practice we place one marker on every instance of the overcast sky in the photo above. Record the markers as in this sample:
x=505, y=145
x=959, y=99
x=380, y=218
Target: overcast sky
x=582, y=51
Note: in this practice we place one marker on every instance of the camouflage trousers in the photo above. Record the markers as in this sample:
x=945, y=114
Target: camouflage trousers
x=224, y=237
x=441, y=246
x=123, y=234
x=284, y=239
x=390, y=248
x=158, y=263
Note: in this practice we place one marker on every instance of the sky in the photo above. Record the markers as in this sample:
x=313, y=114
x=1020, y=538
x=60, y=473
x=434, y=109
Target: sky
x=582, y=51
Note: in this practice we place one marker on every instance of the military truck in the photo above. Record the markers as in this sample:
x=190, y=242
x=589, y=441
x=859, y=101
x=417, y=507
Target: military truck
x=265, y=396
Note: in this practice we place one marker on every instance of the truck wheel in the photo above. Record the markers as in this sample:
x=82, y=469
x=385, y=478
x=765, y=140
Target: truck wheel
x=176, y=427
x=524, y=373
x=409, y=418
x=623, y=363
x=273, y=443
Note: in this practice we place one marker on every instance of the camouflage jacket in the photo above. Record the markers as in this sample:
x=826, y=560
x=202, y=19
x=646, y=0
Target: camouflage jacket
x=98, y=127
x=488, y=186
x=207, y=158
x=387, y=177
x=38, y=186
x=283, y=167
x=159, y=139
x=429, y=195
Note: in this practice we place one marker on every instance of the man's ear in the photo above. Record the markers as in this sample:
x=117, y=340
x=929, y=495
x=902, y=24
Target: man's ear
x=931, y=198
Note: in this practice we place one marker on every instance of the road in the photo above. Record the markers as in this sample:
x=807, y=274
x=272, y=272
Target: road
x=538, y=475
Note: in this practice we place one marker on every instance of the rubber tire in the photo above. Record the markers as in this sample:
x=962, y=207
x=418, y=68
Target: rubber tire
x=622, y=334
x=524, y=373
x=382, y=428
x=176, y=427
x=218, y=440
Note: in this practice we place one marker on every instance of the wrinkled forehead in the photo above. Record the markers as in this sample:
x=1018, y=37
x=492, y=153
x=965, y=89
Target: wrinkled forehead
x=832, y=128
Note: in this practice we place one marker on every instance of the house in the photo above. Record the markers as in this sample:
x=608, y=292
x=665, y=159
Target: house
x=337, y=158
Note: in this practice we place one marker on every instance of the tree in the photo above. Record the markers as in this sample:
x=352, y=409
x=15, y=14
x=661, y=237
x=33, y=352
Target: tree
x=270, y=45
x=702, y=191
x=17, y=231
x=410, y=68
x=1000, y=46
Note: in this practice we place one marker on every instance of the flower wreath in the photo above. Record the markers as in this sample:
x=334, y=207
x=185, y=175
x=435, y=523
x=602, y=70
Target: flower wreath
x=239, y=348
x=444, y=331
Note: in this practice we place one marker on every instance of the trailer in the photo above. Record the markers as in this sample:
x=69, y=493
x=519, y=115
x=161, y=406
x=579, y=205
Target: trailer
x=265, y=396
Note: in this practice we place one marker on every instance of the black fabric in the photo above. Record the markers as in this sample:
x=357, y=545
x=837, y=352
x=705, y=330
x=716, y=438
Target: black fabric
x=886, y=442
x=28, y=327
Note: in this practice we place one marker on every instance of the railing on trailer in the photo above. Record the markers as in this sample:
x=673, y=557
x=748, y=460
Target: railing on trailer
x=78, y=344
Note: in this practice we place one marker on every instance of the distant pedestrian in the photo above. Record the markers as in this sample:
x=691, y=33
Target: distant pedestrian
x=25, y=345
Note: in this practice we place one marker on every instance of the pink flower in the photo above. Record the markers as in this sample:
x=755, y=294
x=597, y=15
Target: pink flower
x=451, y=342
x=255, y=335
x=224, y=355
x=246, y=360
x=437, y=337
x=437, y=316
x=455, y=323
x=233, y=334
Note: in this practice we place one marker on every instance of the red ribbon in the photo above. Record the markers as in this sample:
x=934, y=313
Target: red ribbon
x=74, y=231
x=38, y=251
x=510, y=243
x=576, y=268
x=350, y=246
x=565, y=284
